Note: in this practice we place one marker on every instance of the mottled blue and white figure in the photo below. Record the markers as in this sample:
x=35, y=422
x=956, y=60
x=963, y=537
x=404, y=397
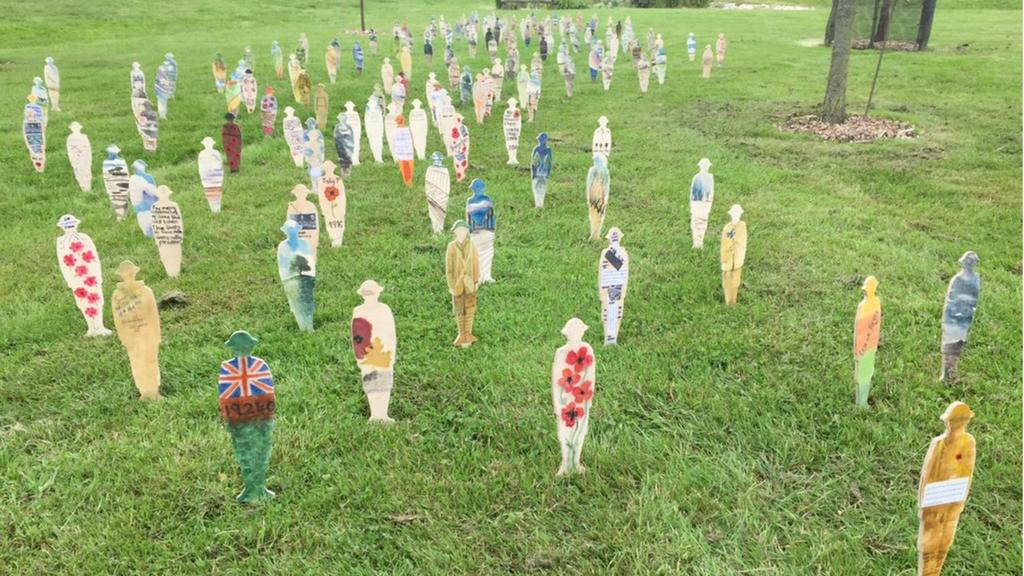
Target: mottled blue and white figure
x=596, y=59
x=613, y=280
x=691, y=46
x=540, y=169
x=115, y=180
x=357, y=56
x=162, y=87
x=958, y=314
x=480, y=216
x=142, y=193
x=172, y=71
x=660, y=64
x=297, y=269
x=702, y=194
x=466, y=86
x=39, y=91
x=313, y=150
x=344, y=144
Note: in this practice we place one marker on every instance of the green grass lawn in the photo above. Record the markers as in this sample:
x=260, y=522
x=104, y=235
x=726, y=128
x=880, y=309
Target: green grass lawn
x=723, y=441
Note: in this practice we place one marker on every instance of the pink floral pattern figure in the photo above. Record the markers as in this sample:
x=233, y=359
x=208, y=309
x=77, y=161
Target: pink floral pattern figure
x=80, y=265
x=572, y=391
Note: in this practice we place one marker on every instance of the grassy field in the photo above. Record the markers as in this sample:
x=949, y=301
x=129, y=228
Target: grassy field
x=723, y=441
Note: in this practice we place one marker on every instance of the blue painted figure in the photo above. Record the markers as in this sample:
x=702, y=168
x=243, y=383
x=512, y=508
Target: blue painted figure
x=691, y=46
x=357, y=57
x=172, y=71
x=344, y=144
x=596, y=56
x=142, y=193
x=466, y=86
x=297, y=268
x=164, y=89
x=313, y=150
x=480, y=216
x=540, y=169
x=958, y=314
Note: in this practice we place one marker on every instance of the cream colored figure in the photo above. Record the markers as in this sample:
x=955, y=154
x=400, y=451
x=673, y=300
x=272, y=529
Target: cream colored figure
x=303, y=212
x=375, y=342
x=602, y=142
x=497, y=79
x=138, y=327
x=573, y=381
x=52, y=76
x=390, y=123
x=80, y=156
x=462, y=271
x=321, y=107
x=438, y=189
x=353, y=121
x=702, y=194
x=387, y=75
x=211, y=174
x=79, y=264
x=512, y=122
x=333, y=203
x=405, y=59
x=375, y=131
x=720, y=49
x=612, y=282
x=419, y=127
x=294, y=68
x=734, y=252
x=291, y=127
x=943, y=489
x=598, y=188
x=168, y=230
x=706, y=61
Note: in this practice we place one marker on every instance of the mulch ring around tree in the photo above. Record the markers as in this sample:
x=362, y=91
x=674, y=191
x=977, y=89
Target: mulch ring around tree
x=854, y=129
x=900, y=46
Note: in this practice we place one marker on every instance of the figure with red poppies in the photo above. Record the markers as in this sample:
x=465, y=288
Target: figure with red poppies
x=374, y=341
x=80, y=265
x=572, y=391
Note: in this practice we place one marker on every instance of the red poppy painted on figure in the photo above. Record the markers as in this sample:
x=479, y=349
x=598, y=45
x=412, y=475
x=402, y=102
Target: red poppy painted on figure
x=568, y=380
x=572, y=413
x=579, y=359
x=80, y=292
x=93, y=298
x=88, y=256
x=583, y=392
x=90, y=312
x=331, y=193
x=90, y=281
x=81, y=270
x=69, y=260
x=362, y=332
x=76, y=246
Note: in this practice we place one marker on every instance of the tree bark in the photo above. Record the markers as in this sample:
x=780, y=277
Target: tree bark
x=834, y=108
x=881, y=31
x=924, y=29
x=830, y=28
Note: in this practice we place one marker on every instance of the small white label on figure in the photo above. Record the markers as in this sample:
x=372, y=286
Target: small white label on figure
x=945, y=492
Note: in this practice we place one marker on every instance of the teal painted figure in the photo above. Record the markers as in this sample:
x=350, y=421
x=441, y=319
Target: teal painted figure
x=246, y=390
x=297, y=267
x=958, y=314
x=540, y=169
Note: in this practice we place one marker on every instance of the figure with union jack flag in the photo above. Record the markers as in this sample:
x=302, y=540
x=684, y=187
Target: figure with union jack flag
x=246, y=390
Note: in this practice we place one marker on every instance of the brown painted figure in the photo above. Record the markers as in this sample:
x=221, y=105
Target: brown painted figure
x=138, y=327
x=462, y=269
x=945, y=483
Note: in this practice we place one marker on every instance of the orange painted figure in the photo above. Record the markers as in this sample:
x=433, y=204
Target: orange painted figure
x=945, y=483
x=403, y=149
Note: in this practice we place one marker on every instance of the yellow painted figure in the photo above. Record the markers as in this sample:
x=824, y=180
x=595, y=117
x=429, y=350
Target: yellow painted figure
x=321, y=107
x=462, y=269
x=138, y=327
x=303, y=88
x=734, y=252
x=866, y=330
x=945, y=483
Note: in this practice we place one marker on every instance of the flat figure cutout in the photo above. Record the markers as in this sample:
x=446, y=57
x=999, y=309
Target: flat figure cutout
x=245, y=387
x=231, y=140
x=460, y=147
x=707, y=60
x=142, y=194
x=512, y=122
x=374, y=343
x=438, y=184
x=303, y=212
x=480, y=216
x=720, y=49
x=353, y=121
x=313, y=151
x=168, y=231
x=344, y=145
x=942, y=492
x=138, y=328
x=375, y=130
x=702, y=194
x=403, y=149
x=296, y=266
x=333, y=203
x=79, y=264
x=602, y=141
x=612, y=283
x=573, y=381
x=462, y=271
x=321, y=107
x=268, y=112
x=598, y=188
x=115, y=180
x=734, y=252
x=291, y=127
x=52, y=75
x=958, y=314
x=867, y=328
x=419, y=127
x=250, y=90
x=80, y=156
x=540, y=169
x=211, y=174
x=34, y=133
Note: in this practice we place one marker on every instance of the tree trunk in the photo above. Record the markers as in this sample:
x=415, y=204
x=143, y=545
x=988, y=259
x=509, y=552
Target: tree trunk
x=884, y=19
x=830, y=28
x=834, y=109
x=924, y=29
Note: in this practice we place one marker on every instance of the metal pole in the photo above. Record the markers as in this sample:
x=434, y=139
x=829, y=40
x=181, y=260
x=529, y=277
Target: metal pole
x=878, y=66
x=362, y=17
